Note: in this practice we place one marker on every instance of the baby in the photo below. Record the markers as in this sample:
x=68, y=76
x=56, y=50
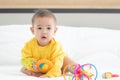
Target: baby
x=44, y=46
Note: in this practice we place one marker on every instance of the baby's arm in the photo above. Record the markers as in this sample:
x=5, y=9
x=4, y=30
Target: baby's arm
x=57, y=65
x=27, y=60
x=57, y=58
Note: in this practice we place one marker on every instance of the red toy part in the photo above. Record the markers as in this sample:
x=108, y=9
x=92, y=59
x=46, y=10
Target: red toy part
x=107, y=75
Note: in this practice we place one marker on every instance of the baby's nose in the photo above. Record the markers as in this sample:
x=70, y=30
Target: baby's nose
x=44, y=31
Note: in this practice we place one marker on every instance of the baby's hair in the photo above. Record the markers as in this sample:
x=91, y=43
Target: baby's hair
x=43, y=13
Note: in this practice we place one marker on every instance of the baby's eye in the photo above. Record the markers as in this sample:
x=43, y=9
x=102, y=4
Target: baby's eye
x=39, y=28
x=48, y=28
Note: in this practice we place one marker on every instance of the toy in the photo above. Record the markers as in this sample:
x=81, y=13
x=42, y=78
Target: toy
x=108, y=75
x=44, y=65
x=82, y=72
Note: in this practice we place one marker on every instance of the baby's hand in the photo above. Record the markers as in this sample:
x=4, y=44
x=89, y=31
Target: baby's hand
x=36, y=74
x=35, y=66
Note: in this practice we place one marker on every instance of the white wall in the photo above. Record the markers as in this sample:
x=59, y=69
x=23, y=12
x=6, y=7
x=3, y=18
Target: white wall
x=108, y=20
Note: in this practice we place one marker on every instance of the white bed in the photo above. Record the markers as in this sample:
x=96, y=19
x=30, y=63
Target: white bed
x=98, y=46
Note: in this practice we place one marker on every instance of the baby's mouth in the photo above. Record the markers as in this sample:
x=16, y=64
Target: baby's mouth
x=44, y=37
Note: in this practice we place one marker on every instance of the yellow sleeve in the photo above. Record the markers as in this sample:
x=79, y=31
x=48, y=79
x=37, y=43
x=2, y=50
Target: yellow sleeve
x=57, y=60
x=27, y=59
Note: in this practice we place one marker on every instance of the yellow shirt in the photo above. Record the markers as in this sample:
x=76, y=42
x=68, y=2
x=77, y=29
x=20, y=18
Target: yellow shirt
x=52, y=52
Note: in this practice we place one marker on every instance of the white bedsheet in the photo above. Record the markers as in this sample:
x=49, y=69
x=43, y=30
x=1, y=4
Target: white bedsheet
x=102, y=63
x=98, y=46
x=13, y=73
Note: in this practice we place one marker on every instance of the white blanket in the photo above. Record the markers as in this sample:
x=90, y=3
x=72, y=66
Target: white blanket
x=98, y=46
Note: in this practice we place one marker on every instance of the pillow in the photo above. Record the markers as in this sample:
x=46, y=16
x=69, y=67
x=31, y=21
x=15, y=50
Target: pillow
x=12, y=39
x=83, y=41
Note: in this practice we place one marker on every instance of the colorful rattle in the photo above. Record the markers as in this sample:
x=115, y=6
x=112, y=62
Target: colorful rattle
x=83, y=72
x=44, y=65
x=108, y=75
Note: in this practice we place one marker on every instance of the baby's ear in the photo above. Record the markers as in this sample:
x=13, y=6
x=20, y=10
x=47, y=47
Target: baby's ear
x=55, y=29
x=32, y=29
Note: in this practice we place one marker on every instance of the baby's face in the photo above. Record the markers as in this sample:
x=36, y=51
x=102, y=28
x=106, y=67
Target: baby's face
x=44, y=29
